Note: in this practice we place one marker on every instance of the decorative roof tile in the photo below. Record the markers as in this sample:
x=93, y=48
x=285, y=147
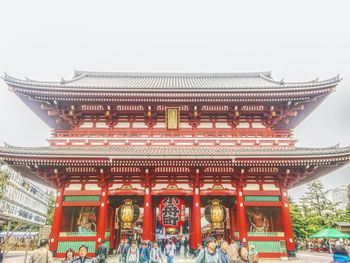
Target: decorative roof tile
x=170, y=81
x=139, y=152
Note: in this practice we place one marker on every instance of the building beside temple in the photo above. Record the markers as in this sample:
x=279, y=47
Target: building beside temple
x=146, y=153
x=22, y=201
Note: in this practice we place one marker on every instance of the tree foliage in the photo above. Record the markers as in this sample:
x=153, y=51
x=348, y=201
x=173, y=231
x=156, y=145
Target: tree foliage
x=315, y=211
x=50, y=208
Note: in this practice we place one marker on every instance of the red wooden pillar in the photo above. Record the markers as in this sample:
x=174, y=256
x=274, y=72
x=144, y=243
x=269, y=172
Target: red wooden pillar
x=102, y=215
x=57, y=219
x=154, y=223
x=147, y=215
x=287, y=222
x=241, y=215
x=111, y=229
x=196, y=228
x=232, y=223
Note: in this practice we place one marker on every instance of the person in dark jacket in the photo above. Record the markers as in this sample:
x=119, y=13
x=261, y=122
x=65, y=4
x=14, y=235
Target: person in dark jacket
x=209, y=254
x=223, y=255
x=83, y=258
x=102, y=252
x=340, y=254
x=144, y=253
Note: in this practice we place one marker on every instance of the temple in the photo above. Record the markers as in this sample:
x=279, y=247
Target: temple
x=157, y=154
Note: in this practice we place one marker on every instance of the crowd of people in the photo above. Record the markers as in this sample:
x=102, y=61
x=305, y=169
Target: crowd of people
x=219, y=251
x=161, y=251
x=320, y=244
x=164, y=250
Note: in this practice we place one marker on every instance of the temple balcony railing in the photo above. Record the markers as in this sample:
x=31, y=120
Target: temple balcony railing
x=181, y=133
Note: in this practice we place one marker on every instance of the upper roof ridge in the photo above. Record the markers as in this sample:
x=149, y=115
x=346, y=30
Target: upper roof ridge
x=171, y=74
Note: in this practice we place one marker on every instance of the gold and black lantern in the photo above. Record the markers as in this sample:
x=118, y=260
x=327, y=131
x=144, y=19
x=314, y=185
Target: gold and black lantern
x=128, y=213
x=215, y=213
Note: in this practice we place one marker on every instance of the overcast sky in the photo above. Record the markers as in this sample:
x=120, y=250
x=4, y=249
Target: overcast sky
x=297, y=40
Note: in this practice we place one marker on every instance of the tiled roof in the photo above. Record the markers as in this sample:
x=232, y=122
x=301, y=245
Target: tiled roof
x=139, y=152
x=170, y=81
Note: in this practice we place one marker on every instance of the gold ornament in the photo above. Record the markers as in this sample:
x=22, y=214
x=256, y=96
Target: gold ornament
x=128, y=213
x=171, y=230
x=215, y=213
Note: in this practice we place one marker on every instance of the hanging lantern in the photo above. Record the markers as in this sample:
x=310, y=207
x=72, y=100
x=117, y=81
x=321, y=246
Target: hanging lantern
x=171, y=230
x=128, y=213
x=172, y=212
x=215, y=213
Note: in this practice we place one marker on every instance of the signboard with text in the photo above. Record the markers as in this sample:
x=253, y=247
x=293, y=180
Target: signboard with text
x=172, y=212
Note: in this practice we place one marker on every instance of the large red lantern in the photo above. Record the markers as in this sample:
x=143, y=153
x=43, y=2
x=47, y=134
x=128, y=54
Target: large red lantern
x=172, y=212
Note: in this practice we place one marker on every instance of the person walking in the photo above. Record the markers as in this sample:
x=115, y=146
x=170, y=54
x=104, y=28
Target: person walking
x=233, y=252
x=170, y=251
x=125, y=250
x=83, y=258
x=42, y=254
x=224, y=256
x=186, y=246
x=133, y=254
x=120, y=249
x=155, y=255
x=69, y=256
x=102, y=252
x=144, y=253
x=209, y=254
x=243, y=256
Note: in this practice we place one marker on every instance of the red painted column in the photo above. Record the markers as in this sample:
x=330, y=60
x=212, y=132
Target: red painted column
x=57, y=219
x=147, y=215
x=111, y=229
x=102, y=215
x=287, y=222
x=241, y=215
x=232, y=223
x=196, y=227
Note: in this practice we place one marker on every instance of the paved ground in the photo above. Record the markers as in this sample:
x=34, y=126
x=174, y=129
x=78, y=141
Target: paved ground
x=18, y=257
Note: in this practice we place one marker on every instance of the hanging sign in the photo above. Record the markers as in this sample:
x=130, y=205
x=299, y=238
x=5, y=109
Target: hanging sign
x=172, y=212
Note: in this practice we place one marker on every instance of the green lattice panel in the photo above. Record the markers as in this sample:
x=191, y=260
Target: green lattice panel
x=63, y=246
x=262, y=198
x=269, y=246
x=77, y=234
x=107, y=234
x=266, y=234
x=82, y=198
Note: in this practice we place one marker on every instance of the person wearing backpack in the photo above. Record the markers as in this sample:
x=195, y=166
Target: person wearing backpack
x=124, y=251
x=170, y=251
x=102, y=252
x=155, y=255
x=133, y=254
x=209, y=254
x=144, y=253
x=42, y=254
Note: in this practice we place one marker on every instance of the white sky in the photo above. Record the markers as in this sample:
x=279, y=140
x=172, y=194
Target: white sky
x=297, y=40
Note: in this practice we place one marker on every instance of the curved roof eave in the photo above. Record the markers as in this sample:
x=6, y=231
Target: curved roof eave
x=137, y=152
x=68, y=85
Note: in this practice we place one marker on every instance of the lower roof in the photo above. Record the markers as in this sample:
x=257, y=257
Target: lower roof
x=174, y=152
x=320, y=160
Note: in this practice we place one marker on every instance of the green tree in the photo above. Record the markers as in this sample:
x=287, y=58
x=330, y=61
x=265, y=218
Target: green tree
x=298, y=220
x=50, y=208
x=316, y=206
